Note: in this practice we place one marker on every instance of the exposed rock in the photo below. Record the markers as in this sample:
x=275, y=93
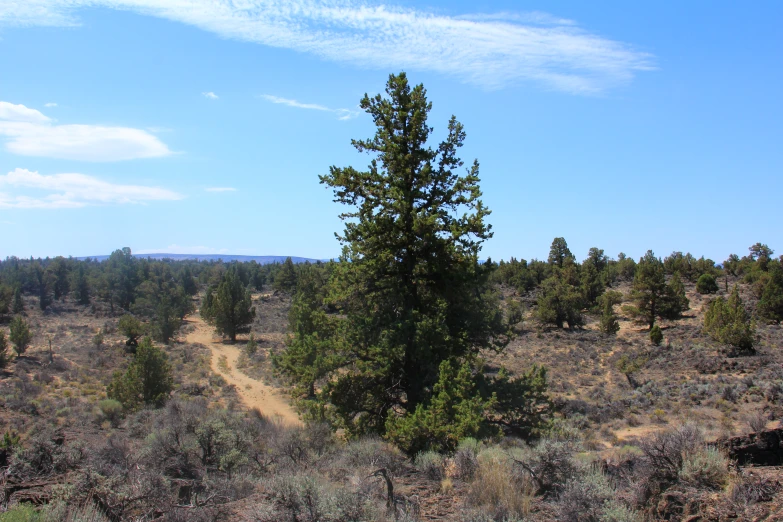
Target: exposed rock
x=763, y=448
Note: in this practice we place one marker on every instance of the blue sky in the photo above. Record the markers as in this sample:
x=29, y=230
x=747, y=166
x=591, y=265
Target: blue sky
x=200, y=126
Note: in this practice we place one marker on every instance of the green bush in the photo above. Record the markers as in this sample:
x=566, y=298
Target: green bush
x=706, y=284
x=771, y=294
x=4, y=358
x=111, y=410
x=514, y=313
x=431, y=464
x=609, y=324
x=706, y=468
x=455, y=411
x=584, y=498
x=147, y=380
x=20, y=334
x=21, y=513
x=251, y=348
x=656, y=335
x=466, y=458
x=559, y=302
x=729, y=323
x=131, y=328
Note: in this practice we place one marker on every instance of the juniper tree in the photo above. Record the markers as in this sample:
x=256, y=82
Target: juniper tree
x=229, y=307
x=609, y=324
x=131, y=328
x=81, y=287
x=413, y=295
x=20, y=334
x=729, y=323
x=770, y=304
x=310, y=351
x=675, y=301
x=6, y=298
x=18, y=306
x=4, y=357
x=148, y=379
x=285, y=280
x=559, y=302
x=653, y=297
x=559, y=252
x=706, y=284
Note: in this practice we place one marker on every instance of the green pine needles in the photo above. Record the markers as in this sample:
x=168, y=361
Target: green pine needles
x=229, y=306
x=148, y=379
x=395, y=331
x=728, y=322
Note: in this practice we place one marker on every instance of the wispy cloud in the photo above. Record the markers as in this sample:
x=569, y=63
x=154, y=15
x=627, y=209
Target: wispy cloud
x=73, y=191
x=50, y=104
x=179, y=249
x=20, y=113
x=488, y=50
x=342, y=114
x=31, y=133
x=220, y=189
x=211, y=95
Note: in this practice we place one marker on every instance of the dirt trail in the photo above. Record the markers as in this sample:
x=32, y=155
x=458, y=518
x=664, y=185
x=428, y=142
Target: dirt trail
x=255, y=394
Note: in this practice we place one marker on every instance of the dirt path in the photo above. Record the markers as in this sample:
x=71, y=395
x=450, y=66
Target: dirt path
x=255, y=394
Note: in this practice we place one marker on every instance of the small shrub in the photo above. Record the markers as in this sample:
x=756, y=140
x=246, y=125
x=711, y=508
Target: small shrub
x=431, y=464
x=466, y=459
x=4, y=358
x=148, y=379
x=131, y=328
x=706, y=468
x=21, y=513
x=371, y=452
x=758, y=421
x=656, y=335
x=729, y=323
x=583, y=498
x=550, y=464
x=706, y=284
x=665, y=453
x=514, y=313
x=98, y=339
x=495, y=488
x=299, y=497
x=749, y=490
x=659, y=416
x=251, y=348
x=20, y=334
x=111, y=410
x=616, y=512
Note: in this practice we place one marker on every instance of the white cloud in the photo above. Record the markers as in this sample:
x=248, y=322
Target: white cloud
x=21, y=114
x=50, y=104
x=30, y=133
x=211, y=95
x=342, y=114
x=178, y=249
x=73, y=191
x=220, y=189
x=487, y=50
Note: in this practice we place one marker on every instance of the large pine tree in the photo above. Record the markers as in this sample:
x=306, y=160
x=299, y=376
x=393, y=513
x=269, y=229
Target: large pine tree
x=411, y=291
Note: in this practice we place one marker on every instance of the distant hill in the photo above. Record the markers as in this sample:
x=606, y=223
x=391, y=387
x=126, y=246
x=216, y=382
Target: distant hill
x=262, y=260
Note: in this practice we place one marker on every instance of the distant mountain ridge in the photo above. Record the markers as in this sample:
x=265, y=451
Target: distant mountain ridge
x=261, y=260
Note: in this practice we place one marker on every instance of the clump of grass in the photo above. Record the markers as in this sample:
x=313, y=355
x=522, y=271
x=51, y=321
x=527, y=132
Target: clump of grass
x=223, y=364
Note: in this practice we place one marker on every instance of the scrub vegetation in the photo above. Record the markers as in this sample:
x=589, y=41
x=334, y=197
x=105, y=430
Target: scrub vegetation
x=429, y=383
